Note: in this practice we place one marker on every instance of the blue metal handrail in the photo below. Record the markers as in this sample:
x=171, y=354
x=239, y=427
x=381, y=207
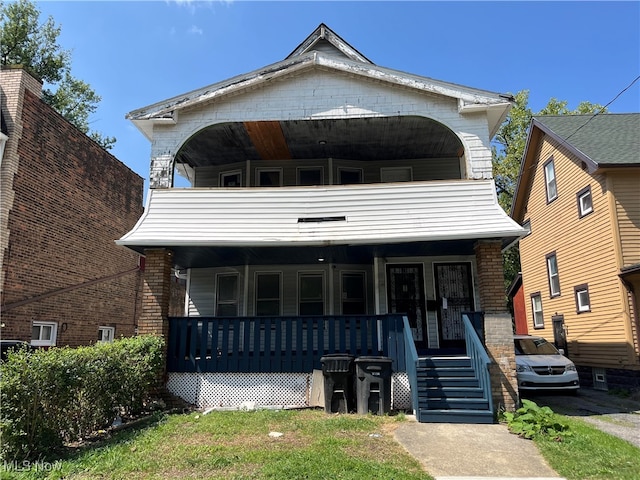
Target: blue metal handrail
x=479, y=358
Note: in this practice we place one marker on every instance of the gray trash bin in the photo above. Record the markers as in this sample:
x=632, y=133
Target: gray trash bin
x=373, y=385
x=338, y=370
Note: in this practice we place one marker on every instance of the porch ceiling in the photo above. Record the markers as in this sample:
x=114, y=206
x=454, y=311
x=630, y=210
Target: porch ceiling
x=374, y=138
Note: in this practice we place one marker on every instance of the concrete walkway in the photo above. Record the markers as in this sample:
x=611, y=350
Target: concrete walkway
x=465, y=451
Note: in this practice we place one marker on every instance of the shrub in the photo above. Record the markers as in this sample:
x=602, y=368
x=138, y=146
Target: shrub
x=532, y=421
x=50, y=397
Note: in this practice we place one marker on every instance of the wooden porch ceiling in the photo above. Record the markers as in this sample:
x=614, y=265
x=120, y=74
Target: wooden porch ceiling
x=371, y=138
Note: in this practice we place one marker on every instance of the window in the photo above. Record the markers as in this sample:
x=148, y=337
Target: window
x=585, y=202
x=527, y=226
x=552, y=271
x=268, y=294
x=582, y=298
x=536, y=308
x=310, y=176
x=231, y=179
x=227, y=296
x=353, y=293
x=311, y=292
x=396, y=174
x=269, y=177
x=43, y=334
x=106, y=334
x=550, y=180
x=347, y=176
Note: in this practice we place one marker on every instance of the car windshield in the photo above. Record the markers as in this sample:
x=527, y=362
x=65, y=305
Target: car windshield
x=534, y=346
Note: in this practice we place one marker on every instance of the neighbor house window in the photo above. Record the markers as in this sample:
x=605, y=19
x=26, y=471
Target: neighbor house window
x=550, y=180
x=106, y=334
x=231, y=179
x=271, y=177
x=310, y=176
x=582, y=298
x=527, y=226
x=396, y=174
x=268, y=294
x=349, y=175
x=353, y=293
x=536, y=308
x=43, y=334
x=552, y=271
x=311, y=294
x=227, y=295
x=585, y=202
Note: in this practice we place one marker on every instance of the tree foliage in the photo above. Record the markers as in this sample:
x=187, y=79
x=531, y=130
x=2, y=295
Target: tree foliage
x=27, y=42
x=508, y=150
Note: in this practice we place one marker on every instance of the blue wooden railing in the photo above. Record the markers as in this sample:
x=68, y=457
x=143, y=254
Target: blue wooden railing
x=411, y=360
x=478, y=355
x=279, y=344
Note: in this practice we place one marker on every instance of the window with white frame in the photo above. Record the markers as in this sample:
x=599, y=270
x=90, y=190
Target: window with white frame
x=585, y=202
x=269, y=177
x=231, y=179
x=582, y=298
x=550, y=180
x=353, y=293
x=536, y=309
x=311, y=294
x=348, y=176
x=268, y=296
x=44, y=334
x=106, y=334
x=554, y=278
x=310, y=176
x=227, y=295
x=527, y=226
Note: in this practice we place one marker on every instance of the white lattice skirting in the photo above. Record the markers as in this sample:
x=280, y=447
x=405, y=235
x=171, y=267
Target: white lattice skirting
x=206, y=390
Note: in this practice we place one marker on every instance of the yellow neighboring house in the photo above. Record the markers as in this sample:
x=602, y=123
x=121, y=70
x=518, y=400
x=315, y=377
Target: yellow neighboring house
x=579, y=195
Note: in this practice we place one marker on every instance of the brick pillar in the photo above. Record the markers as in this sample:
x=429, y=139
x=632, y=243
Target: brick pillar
x=498, y=330
x=156, y=295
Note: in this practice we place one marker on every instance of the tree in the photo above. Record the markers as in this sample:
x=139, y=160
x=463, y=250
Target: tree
x=24, y=41
x=507, y=152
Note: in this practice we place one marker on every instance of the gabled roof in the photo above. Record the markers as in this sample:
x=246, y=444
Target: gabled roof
x=324, y=49
x=602, y=141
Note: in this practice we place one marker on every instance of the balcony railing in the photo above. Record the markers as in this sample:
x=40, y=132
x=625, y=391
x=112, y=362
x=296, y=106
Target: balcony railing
x=280, y=344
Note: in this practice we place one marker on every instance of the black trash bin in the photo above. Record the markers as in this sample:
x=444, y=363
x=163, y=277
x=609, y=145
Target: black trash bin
x=373, y=385
x=338, y=370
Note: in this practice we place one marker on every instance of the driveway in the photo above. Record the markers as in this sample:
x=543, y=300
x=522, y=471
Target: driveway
x=610, y=413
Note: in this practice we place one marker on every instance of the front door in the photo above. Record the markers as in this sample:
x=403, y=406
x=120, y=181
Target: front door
x=455, y=295
x=405, y=294
x=559, y=335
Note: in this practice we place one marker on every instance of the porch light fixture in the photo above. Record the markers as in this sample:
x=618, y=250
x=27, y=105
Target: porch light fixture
x=321, y=259
x=322, y=142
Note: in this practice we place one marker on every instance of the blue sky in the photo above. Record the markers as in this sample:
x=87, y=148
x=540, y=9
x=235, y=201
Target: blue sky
x=138, y=53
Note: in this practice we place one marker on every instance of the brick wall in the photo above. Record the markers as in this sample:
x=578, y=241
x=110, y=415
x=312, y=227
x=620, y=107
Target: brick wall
x=70, y=200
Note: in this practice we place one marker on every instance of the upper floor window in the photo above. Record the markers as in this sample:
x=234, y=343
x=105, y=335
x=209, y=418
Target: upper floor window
x=310, y=176
x=268, y=294
x=536, y=309
x=585, y=202
x=550, y=180
x=353, y=293
x=396, y=174
x=227, y=295
x=554, y=278
x=311, y=294
x=44, y=334
x=527, y=226
x=106, y=334
x=582, y=298
x=349, y=175
x=269, y=177
x=231, y=179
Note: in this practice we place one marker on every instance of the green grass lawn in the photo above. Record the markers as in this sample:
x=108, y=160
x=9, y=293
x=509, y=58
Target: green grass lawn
x=237, y=445
x=590, y=454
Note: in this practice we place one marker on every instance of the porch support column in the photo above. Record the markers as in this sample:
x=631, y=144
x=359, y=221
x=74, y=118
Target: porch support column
x=498, y=329
x=154, y=318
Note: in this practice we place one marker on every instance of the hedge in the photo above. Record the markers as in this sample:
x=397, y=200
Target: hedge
x=49, y=397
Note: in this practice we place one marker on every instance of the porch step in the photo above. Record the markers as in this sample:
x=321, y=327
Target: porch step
x=454, y=416
x=449, y=391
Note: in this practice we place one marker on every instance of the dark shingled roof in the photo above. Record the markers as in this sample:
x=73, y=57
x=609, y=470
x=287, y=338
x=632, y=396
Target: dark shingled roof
x=611, y=139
